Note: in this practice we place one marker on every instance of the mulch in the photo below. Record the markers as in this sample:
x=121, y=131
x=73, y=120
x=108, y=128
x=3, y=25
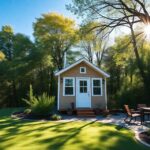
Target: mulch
x=22, y=115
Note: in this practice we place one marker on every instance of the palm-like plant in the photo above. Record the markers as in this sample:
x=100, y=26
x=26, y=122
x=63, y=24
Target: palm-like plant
x=41, y=105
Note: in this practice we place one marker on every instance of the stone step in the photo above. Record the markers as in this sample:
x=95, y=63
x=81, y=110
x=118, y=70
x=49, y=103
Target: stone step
x=85, y=112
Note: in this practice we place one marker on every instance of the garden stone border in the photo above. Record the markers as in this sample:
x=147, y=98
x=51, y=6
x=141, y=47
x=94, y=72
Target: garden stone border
x=137, y=138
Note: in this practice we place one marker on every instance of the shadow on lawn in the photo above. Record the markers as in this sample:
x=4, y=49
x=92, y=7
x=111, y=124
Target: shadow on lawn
x=58, y=142
x=56, y=135
x=13, y=128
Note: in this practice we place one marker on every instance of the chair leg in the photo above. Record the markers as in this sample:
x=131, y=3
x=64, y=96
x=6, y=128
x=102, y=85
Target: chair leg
x=125, y=120
x=130, y=119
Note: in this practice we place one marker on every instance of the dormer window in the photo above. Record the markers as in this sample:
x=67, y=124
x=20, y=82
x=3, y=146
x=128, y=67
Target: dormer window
x=82, y=69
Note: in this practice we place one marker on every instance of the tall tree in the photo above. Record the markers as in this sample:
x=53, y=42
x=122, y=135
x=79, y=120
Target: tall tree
x=92, y=43
x=6, y=44
x=115, y=14
x=15, y=48
x=56, y=34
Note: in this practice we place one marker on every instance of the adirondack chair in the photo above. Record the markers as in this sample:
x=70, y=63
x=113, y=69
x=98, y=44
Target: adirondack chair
x=130, y=115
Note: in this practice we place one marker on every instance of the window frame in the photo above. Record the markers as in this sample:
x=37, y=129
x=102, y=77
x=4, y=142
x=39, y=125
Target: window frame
x=64, y=79
x=81, y=69
x=101, y=86
x=83, y=86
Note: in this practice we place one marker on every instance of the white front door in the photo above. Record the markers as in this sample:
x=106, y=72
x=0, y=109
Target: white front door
x=83, y=94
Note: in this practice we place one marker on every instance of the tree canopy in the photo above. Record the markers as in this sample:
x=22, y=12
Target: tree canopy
x=56, y=34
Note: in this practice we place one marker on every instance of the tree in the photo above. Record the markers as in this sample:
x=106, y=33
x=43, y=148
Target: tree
x=6, y=37
x=115, y=14
x=92, y=43
x=87, y=41
x=16, y=48
x=56, y=34
x=2, y=56
x=125, y=84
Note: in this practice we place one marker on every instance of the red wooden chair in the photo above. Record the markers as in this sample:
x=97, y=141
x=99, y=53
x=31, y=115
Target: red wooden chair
x=131, y=115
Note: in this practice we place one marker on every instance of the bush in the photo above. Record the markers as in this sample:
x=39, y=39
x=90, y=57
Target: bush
x=27, y=111
x=41, y=105
x=56, y=117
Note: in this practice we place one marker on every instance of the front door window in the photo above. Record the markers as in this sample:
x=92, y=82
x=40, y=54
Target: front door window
x=83, y=86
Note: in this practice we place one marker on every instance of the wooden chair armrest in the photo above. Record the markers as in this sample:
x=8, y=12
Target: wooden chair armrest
x=135, y=111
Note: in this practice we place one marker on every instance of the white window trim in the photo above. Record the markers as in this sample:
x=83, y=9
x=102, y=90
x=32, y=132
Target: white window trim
x=82, y=72
x=58, y=94
x=100, y=85
x=64, y=86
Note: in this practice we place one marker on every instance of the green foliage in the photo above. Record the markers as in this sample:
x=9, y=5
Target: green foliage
x=40, y=105
x=91, y=43
x=24, y=63
x=27, y=111
x=31, y=96
x=2, y=56
x=129, y=57
x=56, y=34
x=125, y=83
x=56, y=117
x=7, y=29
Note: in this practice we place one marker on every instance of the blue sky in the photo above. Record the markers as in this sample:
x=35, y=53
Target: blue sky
x=21, y=14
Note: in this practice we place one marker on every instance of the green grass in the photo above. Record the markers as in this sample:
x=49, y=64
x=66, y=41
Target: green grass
x=79, y=135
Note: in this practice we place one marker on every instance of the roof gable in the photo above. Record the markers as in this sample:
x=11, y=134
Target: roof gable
x=88, y=63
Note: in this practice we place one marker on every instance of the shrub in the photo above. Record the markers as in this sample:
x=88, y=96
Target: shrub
x=27, y=111
x=41, y=105
x=56, y=117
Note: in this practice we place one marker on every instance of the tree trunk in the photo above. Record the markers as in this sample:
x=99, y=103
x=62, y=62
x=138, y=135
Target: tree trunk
x=90, y=54
x=14, y=94
x=138, y=60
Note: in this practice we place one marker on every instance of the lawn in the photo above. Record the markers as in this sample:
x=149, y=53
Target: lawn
x=75, y=135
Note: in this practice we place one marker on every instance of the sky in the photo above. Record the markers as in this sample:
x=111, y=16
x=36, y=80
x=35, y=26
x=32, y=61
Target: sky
x=21, y=14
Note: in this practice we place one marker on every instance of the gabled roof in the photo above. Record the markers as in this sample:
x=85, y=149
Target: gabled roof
x=88, y=63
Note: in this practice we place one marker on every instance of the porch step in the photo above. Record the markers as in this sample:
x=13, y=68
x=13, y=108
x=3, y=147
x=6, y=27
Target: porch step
x=86, y=112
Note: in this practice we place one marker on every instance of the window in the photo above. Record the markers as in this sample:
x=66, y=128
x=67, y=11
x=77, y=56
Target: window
x=83, y=86
x=96, y=87
x=68, y=87
x=82, y=70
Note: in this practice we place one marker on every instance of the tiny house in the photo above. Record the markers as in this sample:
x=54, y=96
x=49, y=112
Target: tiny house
x=83, y=84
